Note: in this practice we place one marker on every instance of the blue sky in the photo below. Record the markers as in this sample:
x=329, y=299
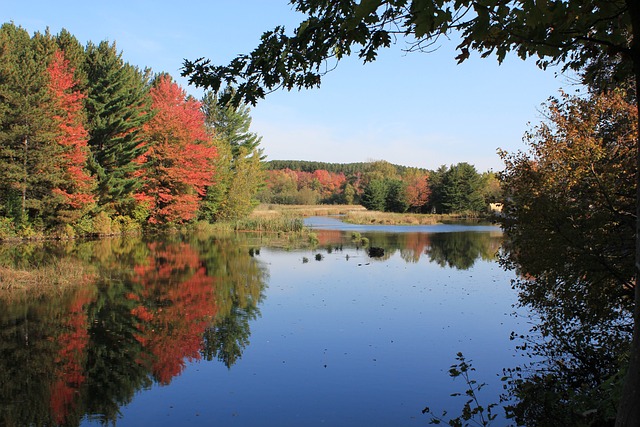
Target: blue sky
x=414, y=109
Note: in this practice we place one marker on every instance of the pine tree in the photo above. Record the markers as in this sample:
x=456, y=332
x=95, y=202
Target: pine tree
x=239, y=167
x=231, y=124
x=117, y=107
x=28, y=149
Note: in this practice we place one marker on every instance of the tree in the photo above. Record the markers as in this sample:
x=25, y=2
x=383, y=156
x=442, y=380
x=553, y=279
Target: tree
x=461, y=189
x=179, y=158
x=418, y=190
x=396, y=199
x=569, y=214
x=76, y=189
x=599, y=37
x=375, y=195
x=117, y=107
x=239, y=169
x=231, y=123
x=28, y=171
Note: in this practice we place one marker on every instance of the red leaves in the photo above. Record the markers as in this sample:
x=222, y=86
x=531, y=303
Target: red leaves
x=418, y=189
x=71, y=135
x=178, y=297
x=179, y=161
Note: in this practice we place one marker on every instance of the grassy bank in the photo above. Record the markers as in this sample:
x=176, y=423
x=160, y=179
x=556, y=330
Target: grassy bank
x=390, y=218
x=55, y=277
x=357, y=214
x=267, y=210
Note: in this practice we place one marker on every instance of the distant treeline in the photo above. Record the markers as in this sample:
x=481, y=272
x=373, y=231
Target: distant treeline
x=381, y=186
x=345, y=168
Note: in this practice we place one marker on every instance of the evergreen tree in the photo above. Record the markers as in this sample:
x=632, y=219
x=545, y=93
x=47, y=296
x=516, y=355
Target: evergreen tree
x=117, y=107
x=74, y=52
x=461, y=188
x=231, y=124
x=396, y=198
x=27, y=146
x=239, y=168
x=375, y=195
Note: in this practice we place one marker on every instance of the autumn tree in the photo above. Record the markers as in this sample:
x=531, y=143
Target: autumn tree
x=417, y=190
x=178, y=164
x=569, y=217
x=75, y=190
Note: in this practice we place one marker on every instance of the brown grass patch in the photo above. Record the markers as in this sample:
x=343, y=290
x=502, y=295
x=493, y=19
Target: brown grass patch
x=390, y=218
x=266, y=210
x=55, y=277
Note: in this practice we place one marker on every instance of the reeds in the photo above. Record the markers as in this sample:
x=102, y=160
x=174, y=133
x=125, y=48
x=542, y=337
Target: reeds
x=390, y=218
x=282, y=223
x=54, y=277
x=305, y=210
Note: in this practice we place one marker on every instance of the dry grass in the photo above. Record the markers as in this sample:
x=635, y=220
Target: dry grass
x=270, y=210
x=389, y=218
x=37, y=281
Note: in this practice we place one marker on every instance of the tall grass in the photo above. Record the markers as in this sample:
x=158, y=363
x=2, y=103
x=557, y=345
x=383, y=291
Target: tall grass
x=281, y=223
x=390, y=218
x=55, y=277
x=305, y=210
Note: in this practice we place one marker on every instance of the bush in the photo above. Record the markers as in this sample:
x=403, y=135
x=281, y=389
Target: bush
x=102, y=224
x=7, y=228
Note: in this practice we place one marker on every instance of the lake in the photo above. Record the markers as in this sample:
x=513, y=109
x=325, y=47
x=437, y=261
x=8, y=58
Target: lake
x=202, y=330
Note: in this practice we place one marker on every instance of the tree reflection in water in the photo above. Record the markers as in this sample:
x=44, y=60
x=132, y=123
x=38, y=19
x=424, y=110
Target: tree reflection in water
x=150, y=308
x=154, y=306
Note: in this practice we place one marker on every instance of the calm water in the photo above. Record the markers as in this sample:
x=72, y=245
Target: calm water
x=221, y=331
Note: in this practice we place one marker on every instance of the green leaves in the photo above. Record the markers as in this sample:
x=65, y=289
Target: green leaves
x=365, y=8
x=471, y=411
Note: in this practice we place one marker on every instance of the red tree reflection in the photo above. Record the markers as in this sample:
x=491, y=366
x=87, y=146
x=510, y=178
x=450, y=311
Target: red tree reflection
x=176, y=305
x=70, y=360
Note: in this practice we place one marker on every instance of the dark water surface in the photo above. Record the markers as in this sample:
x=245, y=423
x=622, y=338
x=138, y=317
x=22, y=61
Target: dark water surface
x=225, y=331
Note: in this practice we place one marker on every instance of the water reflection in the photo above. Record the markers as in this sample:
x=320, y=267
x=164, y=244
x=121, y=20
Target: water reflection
x=147, y=309
x=153, y=307
x=459, y=250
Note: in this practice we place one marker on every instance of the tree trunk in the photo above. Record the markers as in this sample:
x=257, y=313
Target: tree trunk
x=629, y=407
x=24, y=181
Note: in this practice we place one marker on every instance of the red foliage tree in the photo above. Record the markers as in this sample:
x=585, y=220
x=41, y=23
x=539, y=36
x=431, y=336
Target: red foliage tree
x=179, y=161
x=77, y=184
x=418, y=190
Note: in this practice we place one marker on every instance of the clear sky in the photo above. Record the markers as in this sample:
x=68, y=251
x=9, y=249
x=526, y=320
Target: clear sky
x=413, y=109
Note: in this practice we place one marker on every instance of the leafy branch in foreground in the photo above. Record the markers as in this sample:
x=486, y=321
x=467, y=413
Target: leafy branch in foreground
x=473, y=413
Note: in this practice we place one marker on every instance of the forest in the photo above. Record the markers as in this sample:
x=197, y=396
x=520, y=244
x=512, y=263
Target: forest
x=92, y=145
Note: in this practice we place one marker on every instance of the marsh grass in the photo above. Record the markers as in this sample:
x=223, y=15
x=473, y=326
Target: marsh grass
x=390, y=218
x=265, y=210
x=55, y=277
x=281, y=223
